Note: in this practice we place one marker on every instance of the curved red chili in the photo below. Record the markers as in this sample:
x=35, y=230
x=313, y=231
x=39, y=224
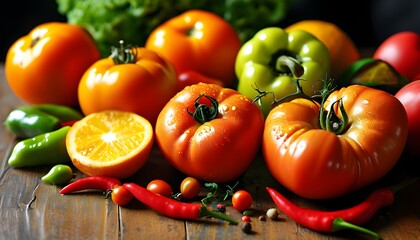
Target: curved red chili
x=323, y=221
x=91, y=182
x=173, y=208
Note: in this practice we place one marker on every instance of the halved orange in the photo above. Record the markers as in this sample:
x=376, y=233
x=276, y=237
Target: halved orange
x=110, y=143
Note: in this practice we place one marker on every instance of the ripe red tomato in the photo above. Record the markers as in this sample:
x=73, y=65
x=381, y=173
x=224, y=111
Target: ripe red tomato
x=121, y=196
x=318, y=161
x=141, y=82
x=210, y=132
x=160, y=187
x=402, y=51
x=200, y=41
x=46, y=65
x=190, y=188
x=409, y=96
x=241, y=200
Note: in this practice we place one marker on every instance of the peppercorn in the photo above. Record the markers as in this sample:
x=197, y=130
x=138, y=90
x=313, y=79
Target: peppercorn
x=245, y=227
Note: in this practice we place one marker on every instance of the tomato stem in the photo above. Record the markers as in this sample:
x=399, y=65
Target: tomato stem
x=289, y=64
x=123, y=54
x=204, y=113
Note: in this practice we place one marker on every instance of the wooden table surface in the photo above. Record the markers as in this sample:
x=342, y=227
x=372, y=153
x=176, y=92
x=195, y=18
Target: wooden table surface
x=32, y=209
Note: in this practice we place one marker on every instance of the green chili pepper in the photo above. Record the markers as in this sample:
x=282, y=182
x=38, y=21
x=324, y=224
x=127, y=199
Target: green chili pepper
x=30, y=121
x=60, y=174
x=45, y=149
x=273, y=59
x=373, y=73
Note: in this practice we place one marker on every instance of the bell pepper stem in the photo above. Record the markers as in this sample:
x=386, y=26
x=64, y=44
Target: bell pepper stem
x=339, y=223
x=205, y=212
x=289, y=64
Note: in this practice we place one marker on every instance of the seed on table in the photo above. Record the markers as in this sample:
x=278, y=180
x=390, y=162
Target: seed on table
x=272, y=213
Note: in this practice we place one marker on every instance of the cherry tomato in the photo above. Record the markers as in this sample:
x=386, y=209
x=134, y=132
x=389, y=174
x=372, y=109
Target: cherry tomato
x=402, y=51
x=210, y=132
x=132, y=79
x=190, y=188
x=160, y=187
x=121, y=196
x=241, y=200
x=198, y=40
x=409, y=96
x=46, y=65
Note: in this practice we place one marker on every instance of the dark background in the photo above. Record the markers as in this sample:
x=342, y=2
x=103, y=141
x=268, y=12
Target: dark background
x=368, y=22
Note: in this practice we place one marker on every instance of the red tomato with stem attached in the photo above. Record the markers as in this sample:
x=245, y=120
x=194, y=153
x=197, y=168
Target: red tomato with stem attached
x=210, y=132
x=132, y=79
x=360, y=137
x=46, y=65
x=200, y=41
x=409, y=96
x=402, y=51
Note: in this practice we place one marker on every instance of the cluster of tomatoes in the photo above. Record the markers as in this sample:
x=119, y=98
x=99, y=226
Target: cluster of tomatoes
x=182, y=81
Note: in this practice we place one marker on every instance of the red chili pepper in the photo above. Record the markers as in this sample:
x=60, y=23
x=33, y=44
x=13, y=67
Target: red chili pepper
x=91, y=182
x=173, y=208
x=323, y=221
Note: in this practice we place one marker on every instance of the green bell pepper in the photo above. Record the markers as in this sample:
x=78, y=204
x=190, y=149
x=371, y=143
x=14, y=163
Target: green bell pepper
x=45, y=149
x=273, y=59
x=30, y=121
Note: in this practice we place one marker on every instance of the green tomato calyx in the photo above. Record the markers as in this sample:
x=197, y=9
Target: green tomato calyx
x=204, y=113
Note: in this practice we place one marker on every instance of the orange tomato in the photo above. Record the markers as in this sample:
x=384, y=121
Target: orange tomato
x=343, y=51
x=315, y=162
x=46, y=65
x=142, y=84
x=200, y=41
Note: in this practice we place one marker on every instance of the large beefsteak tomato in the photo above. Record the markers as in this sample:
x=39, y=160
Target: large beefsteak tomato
x=325, y=163
x=210, y=132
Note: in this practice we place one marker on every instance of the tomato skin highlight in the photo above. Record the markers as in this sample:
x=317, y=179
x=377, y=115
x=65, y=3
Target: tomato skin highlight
x=45, y=66
x=315, y=163
x=219, y=150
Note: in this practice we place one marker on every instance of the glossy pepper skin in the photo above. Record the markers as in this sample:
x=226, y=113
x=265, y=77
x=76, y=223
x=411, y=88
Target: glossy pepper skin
x=30, y=121
x=44, y=149
x=330, y=221
x=59, y=174
x=257, y=64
